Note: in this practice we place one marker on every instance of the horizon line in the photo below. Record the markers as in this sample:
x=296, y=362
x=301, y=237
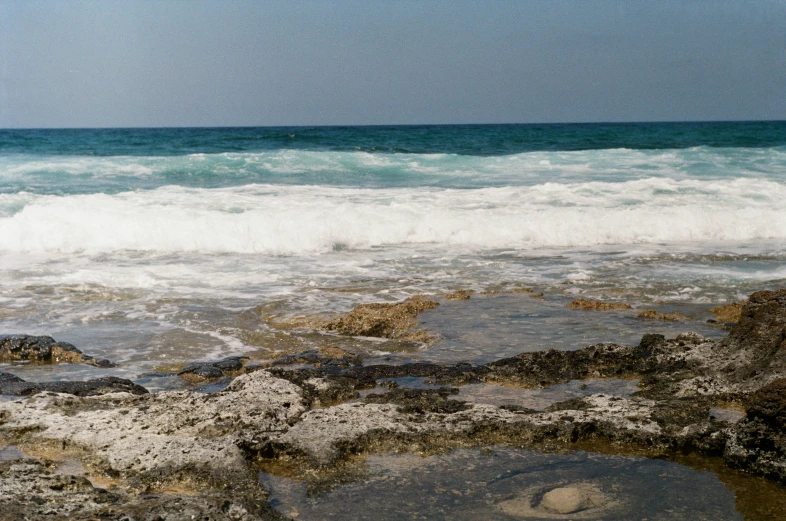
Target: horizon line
x=391, y=125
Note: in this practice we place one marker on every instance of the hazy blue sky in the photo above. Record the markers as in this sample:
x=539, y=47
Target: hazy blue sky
x=170, y=63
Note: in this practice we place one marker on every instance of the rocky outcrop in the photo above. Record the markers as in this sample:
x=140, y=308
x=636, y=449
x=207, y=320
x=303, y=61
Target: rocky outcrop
x=29, y=490
x=597, y=305
x=383, y=320
x=44, y=349
x=463, y=294
x=299, y=417
x=651, y=314
x=157, y=442
x=198, y=372
x=729, y=313
x=13, y=385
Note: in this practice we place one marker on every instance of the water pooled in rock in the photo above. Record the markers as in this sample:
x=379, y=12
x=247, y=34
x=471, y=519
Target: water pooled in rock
x=501, y=483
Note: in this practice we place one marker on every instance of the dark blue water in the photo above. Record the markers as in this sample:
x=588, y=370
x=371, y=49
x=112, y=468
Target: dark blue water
x=478, y=140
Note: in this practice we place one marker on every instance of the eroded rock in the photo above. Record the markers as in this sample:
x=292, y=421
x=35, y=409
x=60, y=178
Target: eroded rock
x=383, y=320
x=597, y=305
x=15, y=386
x=204, y=442
x=29, y=490
x=729, y=313
x=463, y=294
x=44, y=349
x=154, y=442
x=651, y=314
x=198, y=372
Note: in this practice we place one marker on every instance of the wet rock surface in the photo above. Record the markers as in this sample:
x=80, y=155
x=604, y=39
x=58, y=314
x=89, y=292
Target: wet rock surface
x=15, y=386
x=294, y=415
x=463, y=294
x=44, y=349
x=29, y=490
x=198, y=372
x=383, y=320
x=651, y=314
x=729, y=313
x=586, y=304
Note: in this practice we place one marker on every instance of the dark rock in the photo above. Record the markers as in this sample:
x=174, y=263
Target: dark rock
x=15, y=386
x=768, y=404
x=44, y=349
x=332, y=356
x=755, y=345
x=198, y=372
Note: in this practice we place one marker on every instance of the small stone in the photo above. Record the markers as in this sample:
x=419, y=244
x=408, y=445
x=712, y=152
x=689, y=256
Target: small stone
x=566, y=500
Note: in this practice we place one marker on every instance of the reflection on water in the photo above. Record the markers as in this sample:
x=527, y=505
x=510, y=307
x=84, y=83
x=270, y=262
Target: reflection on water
x=502, y=483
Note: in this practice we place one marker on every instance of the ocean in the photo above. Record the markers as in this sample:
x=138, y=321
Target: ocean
x=155, y=247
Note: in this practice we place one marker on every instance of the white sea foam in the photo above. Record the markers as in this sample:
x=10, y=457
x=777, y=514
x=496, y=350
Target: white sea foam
x=308, y=219
x=365, y=169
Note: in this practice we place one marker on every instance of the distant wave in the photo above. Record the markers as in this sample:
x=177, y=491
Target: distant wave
x=84, y=174
x=278, y=219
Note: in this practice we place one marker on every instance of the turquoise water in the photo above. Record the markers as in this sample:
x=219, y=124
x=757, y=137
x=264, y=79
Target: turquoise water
x=147, y=246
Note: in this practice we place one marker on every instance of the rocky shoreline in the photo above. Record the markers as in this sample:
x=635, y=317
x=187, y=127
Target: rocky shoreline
x=178, y=454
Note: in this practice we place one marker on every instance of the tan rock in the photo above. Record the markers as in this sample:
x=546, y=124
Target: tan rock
x=382, y=320
x=586, y=304
x=728, y=312
x=651, y=314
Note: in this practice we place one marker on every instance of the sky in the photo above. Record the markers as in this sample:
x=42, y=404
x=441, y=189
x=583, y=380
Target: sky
x=142, y=63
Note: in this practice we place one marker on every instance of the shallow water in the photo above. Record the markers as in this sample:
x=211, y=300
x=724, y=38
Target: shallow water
x=471, y=484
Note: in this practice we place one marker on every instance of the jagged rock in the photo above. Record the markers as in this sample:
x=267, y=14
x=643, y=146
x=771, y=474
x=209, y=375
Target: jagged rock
x=332, y=357
x=729, y=313
x=197, y=372
x=651, y=314
x=157, y=441
x=204, y=442
x=15, y=386
x=30, y=491
x=382, y=320
x=44, y=349
x=463, y=294
x=582, y=303
x=768, y=404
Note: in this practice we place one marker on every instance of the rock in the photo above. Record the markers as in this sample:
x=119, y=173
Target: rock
x=330, y=357
x=729, y=313
x=768, y=404
x=30, y=491
x=206, y=443
x=153, y=442
x=382, y=320
x=15, y=386
x=463, y=294
x=198, y=372
x=581, y=303
x=567, y=500
x=44, y=349
x=421, y=400
x=754, y=352
x=651, y=314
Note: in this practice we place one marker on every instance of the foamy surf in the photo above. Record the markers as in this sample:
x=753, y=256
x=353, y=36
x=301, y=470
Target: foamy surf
x=112, y=174
x=276, y=219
